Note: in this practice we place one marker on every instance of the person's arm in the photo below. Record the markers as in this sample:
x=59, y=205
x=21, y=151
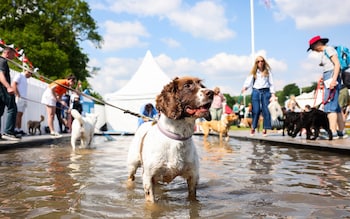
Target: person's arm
x=336, y=71
x=272, y=88
x=58, y=97
x=15, y=87
x=248, y=83
x=4, y=82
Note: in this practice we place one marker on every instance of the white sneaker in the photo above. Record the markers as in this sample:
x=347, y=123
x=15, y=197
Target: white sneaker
x=9, y=137
x=343, y=136
x=55, y=134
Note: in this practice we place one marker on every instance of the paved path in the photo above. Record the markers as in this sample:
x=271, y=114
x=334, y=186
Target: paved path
x=33, y=141
x=338, y=145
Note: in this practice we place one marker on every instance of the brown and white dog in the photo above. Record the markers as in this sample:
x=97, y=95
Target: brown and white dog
x=165, y=149
x=222, y=126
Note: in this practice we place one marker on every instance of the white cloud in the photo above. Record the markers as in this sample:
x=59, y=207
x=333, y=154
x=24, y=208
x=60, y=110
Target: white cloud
x=206, y=19
x=314, y=14
x=225, y=70
x=144, y=7
x=114, y=74
x=121, y=35
x=170, y=42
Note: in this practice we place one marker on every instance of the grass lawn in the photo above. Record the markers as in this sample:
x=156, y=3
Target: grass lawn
x=235, y=128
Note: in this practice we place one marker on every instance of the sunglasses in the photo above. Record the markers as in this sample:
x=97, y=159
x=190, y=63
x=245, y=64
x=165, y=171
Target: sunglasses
x=260, y=61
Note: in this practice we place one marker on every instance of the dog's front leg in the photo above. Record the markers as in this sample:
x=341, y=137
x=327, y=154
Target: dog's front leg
x=72, y=142
x=192, y=187
x=220, y=136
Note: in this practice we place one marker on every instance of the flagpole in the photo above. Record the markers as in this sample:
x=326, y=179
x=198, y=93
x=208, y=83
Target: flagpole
x=252, y=28
x=252, y=37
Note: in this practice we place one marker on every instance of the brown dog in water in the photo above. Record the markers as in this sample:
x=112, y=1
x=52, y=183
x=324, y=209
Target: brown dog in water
x=222, y=126
x=35, y=125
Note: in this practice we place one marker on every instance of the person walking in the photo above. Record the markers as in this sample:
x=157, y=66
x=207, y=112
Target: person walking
x=218, y=105
x=261, y=81
x=52, y=95
x=7, y=94
x=20, y=85
x=332, y=81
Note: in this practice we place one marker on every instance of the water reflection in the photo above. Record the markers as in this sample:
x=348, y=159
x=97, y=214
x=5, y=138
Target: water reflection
x=238, y=179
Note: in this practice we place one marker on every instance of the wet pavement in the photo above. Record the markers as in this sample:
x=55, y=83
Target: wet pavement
x=33, y=141
x=337, y=145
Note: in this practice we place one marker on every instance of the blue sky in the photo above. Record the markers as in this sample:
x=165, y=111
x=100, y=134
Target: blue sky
x=212, y=39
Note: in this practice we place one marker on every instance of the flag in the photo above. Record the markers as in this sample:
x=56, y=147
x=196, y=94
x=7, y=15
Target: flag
x=267, y=4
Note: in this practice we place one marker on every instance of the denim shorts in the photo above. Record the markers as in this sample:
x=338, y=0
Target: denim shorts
x=330, y=98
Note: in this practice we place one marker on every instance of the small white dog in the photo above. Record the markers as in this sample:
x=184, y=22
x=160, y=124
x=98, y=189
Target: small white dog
x=83, y=128
x=165, y=149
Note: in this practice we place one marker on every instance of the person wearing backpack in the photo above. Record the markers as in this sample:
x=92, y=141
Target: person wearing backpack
x=331, y=78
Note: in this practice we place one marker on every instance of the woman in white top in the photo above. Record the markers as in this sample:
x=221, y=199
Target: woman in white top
x=260, y=79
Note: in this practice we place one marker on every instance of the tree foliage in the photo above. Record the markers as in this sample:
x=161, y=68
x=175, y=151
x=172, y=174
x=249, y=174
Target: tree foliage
x=49, y=31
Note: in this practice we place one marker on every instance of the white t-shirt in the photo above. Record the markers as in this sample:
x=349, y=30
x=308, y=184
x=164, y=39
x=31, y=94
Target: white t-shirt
x=22, y=84
x=326, y=61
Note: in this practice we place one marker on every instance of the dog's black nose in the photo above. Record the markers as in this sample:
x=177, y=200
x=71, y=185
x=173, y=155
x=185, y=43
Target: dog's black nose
x=209, y=93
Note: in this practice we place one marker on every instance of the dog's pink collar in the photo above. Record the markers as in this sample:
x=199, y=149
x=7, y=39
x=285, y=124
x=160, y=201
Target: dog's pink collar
x=172, y=135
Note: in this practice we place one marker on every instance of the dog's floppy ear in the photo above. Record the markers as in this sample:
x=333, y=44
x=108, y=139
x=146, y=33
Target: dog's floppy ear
x=168, y=102
x=207, y=117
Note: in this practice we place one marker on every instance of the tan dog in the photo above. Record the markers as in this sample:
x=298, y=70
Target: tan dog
x=35, y=125
x=247, y=123
x=222, y=126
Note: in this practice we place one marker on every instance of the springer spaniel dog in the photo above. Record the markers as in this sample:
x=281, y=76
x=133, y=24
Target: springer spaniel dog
x=165, y=148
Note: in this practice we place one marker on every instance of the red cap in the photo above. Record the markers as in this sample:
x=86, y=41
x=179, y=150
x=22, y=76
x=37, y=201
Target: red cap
x=315, y=39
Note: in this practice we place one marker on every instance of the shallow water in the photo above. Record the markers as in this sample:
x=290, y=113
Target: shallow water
x=238, y=179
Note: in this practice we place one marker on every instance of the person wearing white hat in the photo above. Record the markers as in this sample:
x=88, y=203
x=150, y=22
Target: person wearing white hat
x=7, y=94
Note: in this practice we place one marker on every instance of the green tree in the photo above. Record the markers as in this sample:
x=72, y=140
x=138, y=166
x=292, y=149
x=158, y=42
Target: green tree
x=310, y=88
x=288, y=90
x=49, y=31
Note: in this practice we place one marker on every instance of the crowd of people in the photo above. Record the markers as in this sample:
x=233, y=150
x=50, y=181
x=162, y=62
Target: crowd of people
x=13, y=95
x=260, y=79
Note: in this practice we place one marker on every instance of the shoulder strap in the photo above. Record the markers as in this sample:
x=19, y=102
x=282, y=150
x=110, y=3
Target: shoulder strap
x=325, y=52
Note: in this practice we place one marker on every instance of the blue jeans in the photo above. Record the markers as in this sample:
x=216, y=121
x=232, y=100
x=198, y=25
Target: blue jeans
x=10, y=102
x=260, y=102
x=330, y=98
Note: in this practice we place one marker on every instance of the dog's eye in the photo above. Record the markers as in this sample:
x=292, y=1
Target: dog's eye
x=187, y=85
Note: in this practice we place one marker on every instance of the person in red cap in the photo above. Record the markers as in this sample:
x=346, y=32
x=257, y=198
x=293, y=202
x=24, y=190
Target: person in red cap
x=331, y=79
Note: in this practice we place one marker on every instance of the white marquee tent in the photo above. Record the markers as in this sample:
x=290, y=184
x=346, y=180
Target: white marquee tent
x=308, y=99
x=143, y=87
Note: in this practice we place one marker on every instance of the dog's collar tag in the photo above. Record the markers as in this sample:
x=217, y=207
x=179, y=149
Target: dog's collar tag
x=172, y=135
